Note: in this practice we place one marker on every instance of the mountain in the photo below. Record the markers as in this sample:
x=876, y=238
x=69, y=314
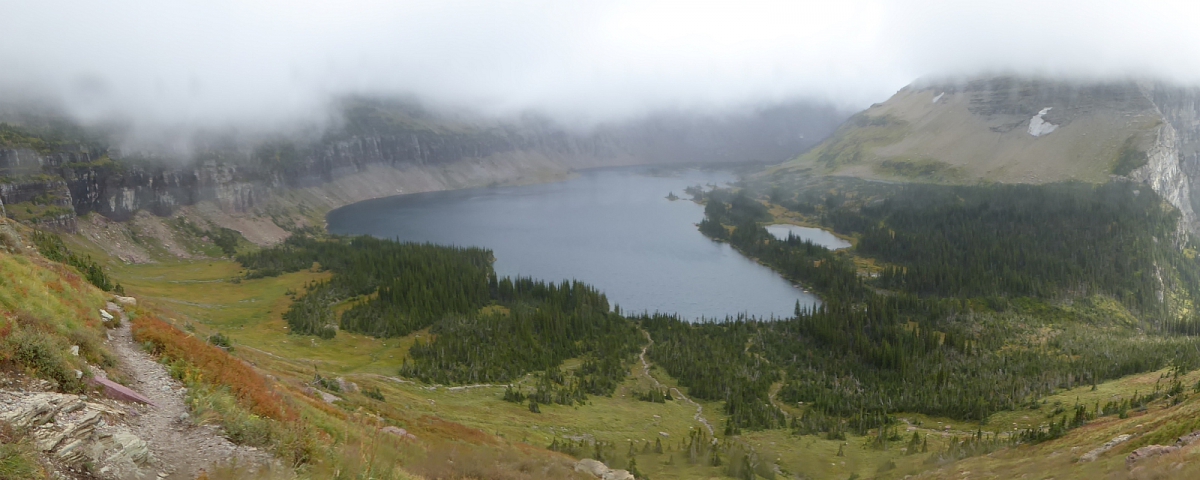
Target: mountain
x=1023, y=130
x=377, y=148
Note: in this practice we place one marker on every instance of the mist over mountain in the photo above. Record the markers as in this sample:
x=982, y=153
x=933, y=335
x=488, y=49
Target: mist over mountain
x=163, y=71
x=881, y=239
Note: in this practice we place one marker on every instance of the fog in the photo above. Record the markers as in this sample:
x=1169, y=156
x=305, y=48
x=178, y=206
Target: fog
x=175, y=65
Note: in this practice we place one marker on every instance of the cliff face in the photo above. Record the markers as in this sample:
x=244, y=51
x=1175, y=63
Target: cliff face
x=1179, y=181
x=388, y=148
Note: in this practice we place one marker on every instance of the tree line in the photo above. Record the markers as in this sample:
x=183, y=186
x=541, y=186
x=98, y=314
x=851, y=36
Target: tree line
x=484, y=328
x=949, y=324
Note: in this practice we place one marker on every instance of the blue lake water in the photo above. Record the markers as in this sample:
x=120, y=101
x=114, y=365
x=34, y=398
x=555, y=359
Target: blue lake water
x=815, y=235
x=612, y=228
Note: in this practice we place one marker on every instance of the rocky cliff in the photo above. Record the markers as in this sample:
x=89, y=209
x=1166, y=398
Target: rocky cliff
x=1173, y=167
x=381, y=148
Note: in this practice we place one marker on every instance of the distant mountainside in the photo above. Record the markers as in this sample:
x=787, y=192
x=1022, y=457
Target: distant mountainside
x=1023, y=130
x=379, y=148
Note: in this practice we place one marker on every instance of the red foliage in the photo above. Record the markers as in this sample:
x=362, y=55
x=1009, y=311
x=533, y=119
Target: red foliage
x=219, y=368
x=434, y=426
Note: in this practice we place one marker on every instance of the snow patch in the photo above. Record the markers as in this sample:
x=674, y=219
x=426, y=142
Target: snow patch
x=1039, y=127
x=938, y=97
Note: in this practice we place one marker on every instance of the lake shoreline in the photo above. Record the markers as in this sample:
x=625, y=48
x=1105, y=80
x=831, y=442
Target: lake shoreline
x=611, y=227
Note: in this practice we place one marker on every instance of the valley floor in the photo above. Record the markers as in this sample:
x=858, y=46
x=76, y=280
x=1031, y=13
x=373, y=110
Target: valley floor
x=202, y=297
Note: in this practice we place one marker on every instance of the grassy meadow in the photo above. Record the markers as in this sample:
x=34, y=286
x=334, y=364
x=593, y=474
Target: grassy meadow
x=203, y=297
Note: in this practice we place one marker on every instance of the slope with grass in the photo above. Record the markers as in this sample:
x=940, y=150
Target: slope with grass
x=1020, y=130
x=473, y=425
x=469, y=430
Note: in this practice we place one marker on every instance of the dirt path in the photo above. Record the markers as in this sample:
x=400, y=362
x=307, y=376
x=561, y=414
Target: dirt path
x=699, y=416
x=179, y=449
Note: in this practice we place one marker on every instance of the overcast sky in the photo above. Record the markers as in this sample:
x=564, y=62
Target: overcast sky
x=212, y=62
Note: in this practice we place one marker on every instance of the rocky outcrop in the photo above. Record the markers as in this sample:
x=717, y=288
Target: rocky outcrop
x=47, y=200
x=398, y=432
x=1178, y=150
x=1164, y=174
x=73, y=430
x=1095, y=453
x=1148, y=452
x=1157, y=450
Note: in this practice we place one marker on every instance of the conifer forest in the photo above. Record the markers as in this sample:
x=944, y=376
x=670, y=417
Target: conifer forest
x=954, y=301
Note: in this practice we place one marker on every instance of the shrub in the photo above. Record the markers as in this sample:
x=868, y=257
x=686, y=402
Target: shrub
x=44, y=356
x=220, y=340
x=90, y=347
x=52, y=247
x=373, y=393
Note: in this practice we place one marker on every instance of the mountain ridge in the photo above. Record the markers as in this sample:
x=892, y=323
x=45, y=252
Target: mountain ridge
x=1023, y=130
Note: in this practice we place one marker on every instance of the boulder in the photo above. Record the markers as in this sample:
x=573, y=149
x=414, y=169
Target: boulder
x=1188, y=439
x=105, y=315
x=325, y=396
x=1147, y=452
x=348, y=387
x=593, y=467
x=399, y=432
x=127, y=301
x=618, y=475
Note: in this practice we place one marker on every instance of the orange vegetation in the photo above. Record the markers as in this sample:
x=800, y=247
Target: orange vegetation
x=219, y=368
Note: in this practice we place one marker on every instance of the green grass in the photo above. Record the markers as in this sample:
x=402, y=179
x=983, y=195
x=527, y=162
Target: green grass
x=204, y=295
x=854, y=141
x=45, y=308
x=1130, y=157
x=18, y=459
x=925, y=169
x=34, y=213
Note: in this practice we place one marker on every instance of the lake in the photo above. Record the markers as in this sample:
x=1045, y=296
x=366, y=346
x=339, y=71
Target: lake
x=613, y=228
x=815, y=235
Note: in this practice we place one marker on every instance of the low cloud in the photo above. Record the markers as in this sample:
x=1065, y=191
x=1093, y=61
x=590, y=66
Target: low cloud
x=262, y=64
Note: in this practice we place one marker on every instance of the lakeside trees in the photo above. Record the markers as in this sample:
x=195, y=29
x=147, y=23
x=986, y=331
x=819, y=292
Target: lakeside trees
x=484, y=328
x=985, y=299
x=956, y=301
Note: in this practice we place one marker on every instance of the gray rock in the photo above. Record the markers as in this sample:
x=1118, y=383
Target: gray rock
x=74, y=432
x=618, y=475
x=590, y=466
x=348, y=387
x=1188, y=439
x=1147, y=452
x=1096, y=452
x=399, y=432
